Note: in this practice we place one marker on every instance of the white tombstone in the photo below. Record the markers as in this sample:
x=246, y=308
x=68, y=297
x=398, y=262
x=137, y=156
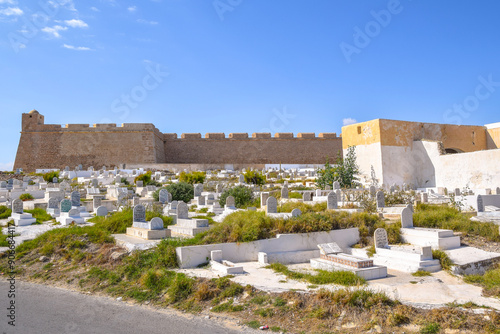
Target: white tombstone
x=156, y=224
x=336, y=185
x=263, y=198
x=101, y=211
x=230, y=203
x=198, y=189
x=373, y=191
x=182, y=210
x=272, y=205
x=75, y=198
x=380, y=238
x=139, y=213
x=163, y=196
x=296, y=212
x=284, y=192
x=407, y=218
x=331, y=201
x=380, y=199
x=480, y=204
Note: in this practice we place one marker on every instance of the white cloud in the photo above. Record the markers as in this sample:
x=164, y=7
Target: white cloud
x=349, y=121
x=147, y=22
x=76, y=23
x=7, y=166
x=76, y=48
x=94, y=9
x=68, y=4
x=132, y=9
x=8, y=2
x=11, y=11
x=54, y=31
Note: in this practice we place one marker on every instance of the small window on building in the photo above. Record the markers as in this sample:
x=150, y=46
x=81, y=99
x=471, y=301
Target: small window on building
x=359, y=130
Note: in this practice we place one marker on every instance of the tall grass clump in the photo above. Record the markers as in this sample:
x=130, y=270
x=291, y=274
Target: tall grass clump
x=444, y=217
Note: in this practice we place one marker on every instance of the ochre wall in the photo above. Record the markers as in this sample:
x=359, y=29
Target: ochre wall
x=252, y=150
x=52, y=146
x=493, y=136
x=467, y=138
x=365, y=133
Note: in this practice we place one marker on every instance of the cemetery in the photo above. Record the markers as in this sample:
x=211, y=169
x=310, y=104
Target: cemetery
x=273, y=230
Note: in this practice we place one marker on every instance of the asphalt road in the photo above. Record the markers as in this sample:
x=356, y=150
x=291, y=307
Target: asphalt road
x=47, y=310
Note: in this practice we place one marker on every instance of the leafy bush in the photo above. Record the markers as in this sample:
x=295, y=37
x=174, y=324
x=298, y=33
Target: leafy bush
x=443, y=258
x=48, y=177
x=145, y=178
x=26, y=197
x=5, y=212
x=490, y=281
x=294, y=194
x=444, y=217
x=243, y=196
x=344, y=171
x=40, y=215
x=119, y=221
x=245, y=226
x=193, y=177
x=3, y=239
x=254, y=177
x=181, y=191
x=430, y=328
x=346, y=278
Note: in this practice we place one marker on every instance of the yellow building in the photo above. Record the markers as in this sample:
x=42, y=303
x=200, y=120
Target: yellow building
x=425, y=154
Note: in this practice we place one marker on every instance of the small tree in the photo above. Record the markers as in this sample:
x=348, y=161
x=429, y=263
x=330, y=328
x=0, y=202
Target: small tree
x=326, y=176
x=242, y=196
x=181, y=191
x=344, y=171
x=48, y=177
x=254, y=177
x=192, y=178
x=145, y=178
x=26, y=197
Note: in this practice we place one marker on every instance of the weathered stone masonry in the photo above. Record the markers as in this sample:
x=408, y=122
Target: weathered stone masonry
x=52, y=146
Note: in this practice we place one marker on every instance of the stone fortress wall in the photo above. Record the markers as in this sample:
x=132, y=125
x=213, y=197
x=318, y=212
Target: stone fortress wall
x=54, y=146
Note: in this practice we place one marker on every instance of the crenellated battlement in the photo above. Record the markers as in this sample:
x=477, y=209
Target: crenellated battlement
x=53, y=145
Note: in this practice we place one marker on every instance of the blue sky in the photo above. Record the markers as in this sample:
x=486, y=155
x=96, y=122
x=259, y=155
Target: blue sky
x=247, y=66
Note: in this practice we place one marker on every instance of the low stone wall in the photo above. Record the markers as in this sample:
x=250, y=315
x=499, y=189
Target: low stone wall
x=192, y=256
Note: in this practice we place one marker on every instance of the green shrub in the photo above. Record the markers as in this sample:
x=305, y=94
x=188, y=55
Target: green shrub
x=5, y=212
x=421, y=273
x=48, y=177
x=254, y=177
x=444, y=217
x=40, y=215
x=294, y=194
x=346, y=278
x=490, y=281
x=430, y=328
x=193, y=177
x=118, y=222
x=443, y=258
x=3, y=239
x=243, y=196
x=181, y=191
x=145, y=178
x=26, y=197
